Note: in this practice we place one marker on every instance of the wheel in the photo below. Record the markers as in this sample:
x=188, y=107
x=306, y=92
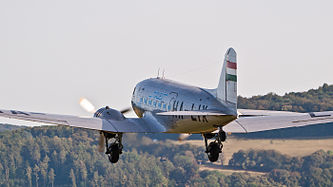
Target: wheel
x=213, y=151
x=114, y=153
x=222, y=136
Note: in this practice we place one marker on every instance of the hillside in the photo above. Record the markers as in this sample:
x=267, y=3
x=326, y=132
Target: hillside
x=314, y=100
x=63, y=156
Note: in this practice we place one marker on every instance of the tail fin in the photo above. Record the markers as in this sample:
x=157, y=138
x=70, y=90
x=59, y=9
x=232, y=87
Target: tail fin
x=226, y=90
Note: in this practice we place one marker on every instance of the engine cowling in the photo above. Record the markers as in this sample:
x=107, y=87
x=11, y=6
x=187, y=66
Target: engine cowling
x=109, y=113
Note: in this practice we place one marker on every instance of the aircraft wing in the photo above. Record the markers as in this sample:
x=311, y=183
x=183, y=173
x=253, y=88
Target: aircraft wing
x=127, y=125
x=271, y=121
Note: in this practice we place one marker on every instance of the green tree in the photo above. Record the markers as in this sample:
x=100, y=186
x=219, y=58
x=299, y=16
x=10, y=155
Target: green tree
x=83, y=172
x=51, y=176
x=44, y=169
x=36, y=174
x=72, y=176
x=28, y=174
x=95, y=179
x=7, y=176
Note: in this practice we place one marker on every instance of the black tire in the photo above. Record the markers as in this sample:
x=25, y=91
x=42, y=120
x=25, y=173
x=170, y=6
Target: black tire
x=223, y=136
x=213, y=151
x=115, y=152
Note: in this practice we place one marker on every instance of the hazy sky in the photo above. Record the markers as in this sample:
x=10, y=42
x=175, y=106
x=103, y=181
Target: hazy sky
x=54, y=52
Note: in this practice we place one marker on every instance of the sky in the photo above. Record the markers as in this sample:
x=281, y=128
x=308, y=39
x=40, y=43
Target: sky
x=52, y=53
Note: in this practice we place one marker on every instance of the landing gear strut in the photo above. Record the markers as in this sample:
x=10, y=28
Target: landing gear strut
x=113, y=148
x=215, y=147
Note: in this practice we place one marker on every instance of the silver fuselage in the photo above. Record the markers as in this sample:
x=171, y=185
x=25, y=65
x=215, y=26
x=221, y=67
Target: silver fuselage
x=157, y=95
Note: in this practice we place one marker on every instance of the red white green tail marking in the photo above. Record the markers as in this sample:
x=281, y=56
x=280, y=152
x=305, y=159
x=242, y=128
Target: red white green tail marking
x=231, y=74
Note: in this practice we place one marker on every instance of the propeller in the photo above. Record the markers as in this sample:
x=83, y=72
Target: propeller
x=124, y=111
x=101, y=141
x=89, y=107
x=183, y=136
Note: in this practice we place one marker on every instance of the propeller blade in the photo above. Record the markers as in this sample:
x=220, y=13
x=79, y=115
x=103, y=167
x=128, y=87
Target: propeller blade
x=125, y=110
x=87, y=105
x=183, y=136
x=101, y=141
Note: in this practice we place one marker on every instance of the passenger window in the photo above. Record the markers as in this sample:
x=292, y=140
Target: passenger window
x=174, y=105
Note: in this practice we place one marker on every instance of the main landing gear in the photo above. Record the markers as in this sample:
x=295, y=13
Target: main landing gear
x=113, y=146
x=215, y=147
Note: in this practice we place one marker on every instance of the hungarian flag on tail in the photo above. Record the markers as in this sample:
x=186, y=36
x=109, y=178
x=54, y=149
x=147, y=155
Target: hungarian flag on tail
x=231, y=74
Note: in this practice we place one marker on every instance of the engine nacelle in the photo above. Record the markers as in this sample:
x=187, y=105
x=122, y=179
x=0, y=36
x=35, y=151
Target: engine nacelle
x=109, y=113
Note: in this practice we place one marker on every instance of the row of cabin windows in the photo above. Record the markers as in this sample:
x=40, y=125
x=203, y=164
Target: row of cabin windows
x=155, y=103
x=162, y=105
x=159, y=104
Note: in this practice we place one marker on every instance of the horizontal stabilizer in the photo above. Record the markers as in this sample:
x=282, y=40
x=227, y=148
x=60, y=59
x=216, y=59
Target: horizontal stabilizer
x=251, y=112
x=263, y=123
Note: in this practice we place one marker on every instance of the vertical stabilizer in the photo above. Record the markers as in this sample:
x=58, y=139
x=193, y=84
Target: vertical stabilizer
x=226, y=91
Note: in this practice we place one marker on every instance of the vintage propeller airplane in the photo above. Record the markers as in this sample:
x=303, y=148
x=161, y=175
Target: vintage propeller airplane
x=165, y=106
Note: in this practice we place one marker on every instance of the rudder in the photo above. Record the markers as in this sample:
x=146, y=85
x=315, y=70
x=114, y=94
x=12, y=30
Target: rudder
x=226, y=90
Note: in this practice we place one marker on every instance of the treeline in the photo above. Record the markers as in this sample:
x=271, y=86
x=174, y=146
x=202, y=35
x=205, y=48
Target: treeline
x=64, y=156
x=314, y=100
x=7, y=127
